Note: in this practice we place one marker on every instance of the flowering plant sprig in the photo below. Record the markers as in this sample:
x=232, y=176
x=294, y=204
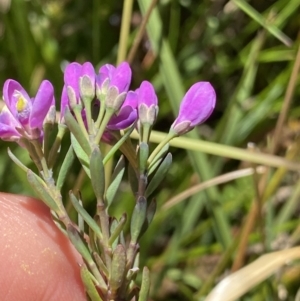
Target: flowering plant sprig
x=99, y=108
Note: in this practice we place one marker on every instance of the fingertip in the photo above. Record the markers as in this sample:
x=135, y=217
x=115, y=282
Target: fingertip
x=37, y=261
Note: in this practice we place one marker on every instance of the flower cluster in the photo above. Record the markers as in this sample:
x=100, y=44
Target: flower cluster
x=96, y=106
x=94, y=93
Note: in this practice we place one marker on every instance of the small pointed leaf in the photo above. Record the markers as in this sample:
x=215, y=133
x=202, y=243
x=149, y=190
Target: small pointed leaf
x=84, y=214
x=145, y=287
x=117, y=230
x=116, y=181
x=97, y=173
x=138, y=218
x=113, y=227
x=81, y=155
x=16, y=160
x=117, y=145
x=41, y=190
x=118, y=267
x=102, y=267
x=133, y=180
x=159, y=174
x=89, y=285
x=81, y=246
x=143, y=156
x=157, y=159
x=76, y=131
x=149, y=216
x=65, y=167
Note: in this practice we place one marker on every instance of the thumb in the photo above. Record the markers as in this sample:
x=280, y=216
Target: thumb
x=37, y=261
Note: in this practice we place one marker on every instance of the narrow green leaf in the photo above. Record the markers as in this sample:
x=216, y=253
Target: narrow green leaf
x=117, y=230
x=145, y=287
x=102, y=267
x=97, y=173
x=88, y=282
x=115, y=181
x=81, y=155
x=117, y=145
x=41, y=190
x=151, y=211
x=76, y=131
x=149, y=216
x=65, y=167
x=138, y=218
x=113, y=226
x=16, y=160
x=159, y=174
x=118, y=267
x=143, y=155
x=157, y=159
x=249, y=10
x=80, y=245
x=133, y=180
x=84, y=214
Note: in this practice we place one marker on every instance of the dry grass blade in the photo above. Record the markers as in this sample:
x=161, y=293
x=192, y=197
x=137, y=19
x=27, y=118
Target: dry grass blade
x=240, y=282
x=213, y=182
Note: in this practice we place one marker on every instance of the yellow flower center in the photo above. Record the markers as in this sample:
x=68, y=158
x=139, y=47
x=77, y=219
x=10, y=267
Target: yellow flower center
x=21, y=104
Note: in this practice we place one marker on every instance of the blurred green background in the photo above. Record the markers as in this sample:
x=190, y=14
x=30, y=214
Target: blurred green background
x=248, y=51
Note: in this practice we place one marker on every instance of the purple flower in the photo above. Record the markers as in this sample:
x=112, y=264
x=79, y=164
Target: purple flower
x=79, y=83
x=110, y=76
x=127, y=114
x=112, y=84
x=24, y=116
x=196, y=106
x=147, y=103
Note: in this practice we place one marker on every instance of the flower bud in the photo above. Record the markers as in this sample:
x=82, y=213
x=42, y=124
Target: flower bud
x=147, y=103
x=196, y=106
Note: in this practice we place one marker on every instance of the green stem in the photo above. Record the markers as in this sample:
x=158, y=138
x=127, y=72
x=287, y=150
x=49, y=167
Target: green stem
x=104, y=224
x=48, y=127
x=160, y=146
x=77, y=111
x=100, y=115
x=108, y=114
x=89, y=119
x=57, y=143
x=118, y=145
x=125, y=27
x=46, y=173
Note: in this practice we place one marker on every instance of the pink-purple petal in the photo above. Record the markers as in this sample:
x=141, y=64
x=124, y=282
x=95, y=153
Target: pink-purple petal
x=41, y=104
x=71, y=76
x=8, y=125
x=126, y=117
x=105, y=71
x=64, y=102
x=121, y=77
x=88, y=69
x=146, y=94
x=131, y=99
x=9, y=94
